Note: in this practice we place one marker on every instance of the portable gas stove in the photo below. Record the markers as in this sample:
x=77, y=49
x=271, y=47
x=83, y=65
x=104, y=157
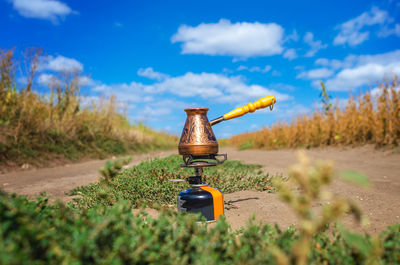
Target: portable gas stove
x=199, y=149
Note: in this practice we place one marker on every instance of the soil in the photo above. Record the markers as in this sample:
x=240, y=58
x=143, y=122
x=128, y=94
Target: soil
x=58, y=181
x=380, y=203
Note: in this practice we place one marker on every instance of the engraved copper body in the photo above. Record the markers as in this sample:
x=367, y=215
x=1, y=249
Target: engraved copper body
x=197, y=136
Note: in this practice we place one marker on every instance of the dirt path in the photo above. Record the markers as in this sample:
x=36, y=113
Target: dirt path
x=56, y=181
x=381, y=202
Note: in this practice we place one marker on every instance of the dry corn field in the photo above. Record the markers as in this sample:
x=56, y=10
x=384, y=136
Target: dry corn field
x=370, y=118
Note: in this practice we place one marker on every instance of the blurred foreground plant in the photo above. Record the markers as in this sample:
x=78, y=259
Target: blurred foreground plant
x=112, y=168
x=309, y=181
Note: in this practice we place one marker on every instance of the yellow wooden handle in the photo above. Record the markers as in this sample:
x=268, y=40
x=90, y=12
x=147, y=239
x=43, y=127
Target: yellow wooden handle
x=251, y=107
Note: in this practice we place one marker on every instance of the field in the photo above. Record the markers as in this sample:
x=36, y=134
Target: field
x=370, y=118
x=58, y=124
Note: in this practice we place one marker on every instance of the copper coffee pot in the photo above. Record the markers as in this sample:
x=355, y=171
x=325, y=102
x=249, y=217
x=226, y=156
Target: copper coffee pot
x=199, y=149
x=197, y=136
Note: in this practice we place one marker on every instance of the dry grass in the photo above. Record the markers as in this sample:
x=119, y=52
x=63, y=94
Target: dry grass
x=34, y=126
x=365, y=119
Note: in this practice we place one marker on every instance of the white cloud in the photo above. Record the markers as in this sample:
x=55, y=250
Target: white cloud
x=202, y=85
x=134, y=94
x=242, y=68
x=362, y=75
x=293, y=37
x=350, y=31
x=131, y=93
x=282, y=87
x=263, y=70
x=364, y=70
x=386, y=31
x=50, y=66
x=151, y=74
x=254, y=68
x=315, y=45
x=358, y=60
x=334, y=64
x=383, y=58
x=242, y=39
x=276, y=73
x=52, y=10
x=322, y=61
x=60, y=64
x=157, y=109
x=316, y=73
x=377, y=91
x=46, y=79
x=49, y=79
x=227, y=70
x=149, y=112
x=86, y=81
x=210, y=86
x=214, y=86
x=290, y=54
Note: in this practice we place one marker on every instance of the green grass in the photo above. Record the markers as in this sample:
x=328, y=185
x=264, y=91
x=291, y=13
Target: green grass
x=34, y=232
x=148, y=183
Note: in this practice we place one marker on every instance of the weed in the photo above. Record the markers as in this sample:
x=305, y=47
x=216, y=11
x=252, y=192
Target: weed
x=308, y=181
x=325, y=99
x=112, y=168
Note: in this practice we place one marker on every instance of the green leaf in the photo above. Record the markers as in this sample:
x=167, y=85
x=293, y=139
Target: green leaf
x=355, y=241
x=355, y=177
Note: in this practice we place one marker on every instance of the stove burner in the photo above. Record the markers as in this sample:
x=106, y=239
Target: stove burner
x=200, y=161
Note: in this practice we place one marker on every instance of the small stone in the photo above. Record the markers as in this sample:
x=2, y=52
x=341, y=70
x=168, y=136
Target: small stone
x=25, y=166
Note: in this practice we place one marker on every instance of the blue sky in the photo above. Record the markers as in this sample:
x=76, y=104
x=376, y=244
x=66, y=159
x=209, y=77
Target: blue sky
x=160, y=57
